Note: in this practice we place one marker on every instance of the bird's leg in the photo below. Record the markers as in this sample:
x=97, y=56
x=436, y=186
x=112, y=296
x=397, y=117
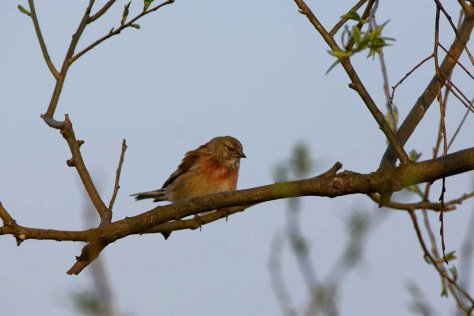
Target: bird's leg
x=198, y=220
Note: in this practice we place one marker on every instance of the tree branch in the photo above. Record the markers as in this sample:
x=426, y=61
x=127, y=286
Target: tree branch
x=356, y=83
x=102, y=10
x=6, y=217
x=343, y=20
x=345, y=183
x=76, y=161
x=65, y=67
x=423, y=205
x=440, y=268
x=429, y=93
x=44, y=49
x=117, y=175
x=118, y=30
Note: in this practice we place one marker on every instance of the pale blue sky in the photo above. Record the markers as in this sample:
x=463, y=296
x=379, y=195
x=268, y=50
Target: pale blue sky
x=198, y=69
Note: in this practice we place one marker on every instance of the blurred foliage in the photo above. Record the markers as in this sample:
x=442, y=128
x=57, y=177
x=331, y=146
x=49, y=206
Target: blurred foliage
x=87, y=302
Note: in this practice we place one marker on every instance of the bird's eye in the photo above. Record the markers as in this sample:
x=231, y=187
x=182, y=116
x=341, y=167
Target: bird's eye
x=229, y=148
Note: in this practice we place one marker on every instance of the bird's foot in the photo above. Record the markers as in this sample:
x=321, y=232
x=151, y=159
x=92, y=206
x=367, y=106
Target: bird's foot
x=199, y=221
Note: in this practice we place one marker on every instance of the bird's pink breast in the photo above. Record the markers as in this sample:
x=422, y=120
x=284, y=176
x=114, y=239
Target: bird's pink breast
x=220, y=174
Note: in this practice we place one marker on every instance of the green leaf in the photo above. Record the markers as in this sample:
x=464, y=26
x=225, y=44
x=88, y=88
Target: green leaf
x=135, y=26
x=299, y=245
x=334, y=64
x=146, y=4
x=454, y=273
x=450, y=256
x=352, y=15
x=414, y=155
x=340, y=53
x=23, y=10
x=444, y=292
x=301, y=161
x=356, y=35
x=125, y=13
x=281, y=173
x=392, y=118
x=364, y=41
x=111, y=30
x=377, y=42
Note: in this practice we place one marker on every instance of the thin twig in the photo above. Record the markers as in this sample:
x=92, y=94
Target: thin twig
x=446, y=14
x=384, y=71
x=365, y=15
x=102, y=10
x=460, y=96
x=117, y=175
x=44, y=49
x=435, y=263
x=442, y=121
x=276, y=277
x=356, y=84
x=408, y=74
x=450, y=206
x=458, y=128
x=118, y=30
x=429, y=93
x=343, y=20
x=457, y=61
x=65, y=67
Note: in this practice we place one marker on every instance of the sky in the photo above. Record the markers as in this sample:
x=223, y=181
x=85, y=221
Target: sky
x=195, y=70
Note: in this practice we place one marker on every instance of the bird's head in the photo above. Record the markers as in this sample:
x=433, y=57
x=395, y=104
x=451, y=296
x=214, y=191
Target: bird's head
x=226, y=149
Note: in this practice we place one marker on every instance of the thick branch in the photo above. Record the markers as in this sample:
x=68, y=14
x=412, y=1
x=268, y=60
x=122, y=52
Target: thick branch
x=341, y=184
x=429, y=93
x=329, y=185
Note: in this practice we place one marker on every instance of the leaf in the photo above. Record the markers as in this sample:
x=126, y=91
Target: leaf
x=414, y=155
x=392, y=118
x=334, y=64
x=135, y=26
x=111, y=30
x=356, y=35
x=146, y=4
x=450, y=256
x=378, y=42
x=340, y=53
x=454, y=273
x=352, y=15
x=444, y=292
x=125, y=13
x=23, y=10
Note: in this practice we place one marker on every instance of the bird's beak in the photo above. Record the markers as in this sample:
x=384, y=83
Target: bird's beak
x=242, y=155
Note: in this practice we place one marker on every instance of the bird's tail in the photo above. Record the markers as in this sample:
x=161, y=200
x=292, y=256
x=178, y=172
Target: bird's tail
x=157, y=195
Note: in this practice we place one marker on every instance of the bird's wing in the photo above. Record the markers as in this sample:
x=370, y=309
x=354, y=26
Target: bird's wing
x=188, y=161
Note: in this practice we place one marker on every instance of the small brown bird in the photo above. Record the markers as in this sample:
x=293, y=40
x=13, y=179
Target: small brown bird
x=211, y=168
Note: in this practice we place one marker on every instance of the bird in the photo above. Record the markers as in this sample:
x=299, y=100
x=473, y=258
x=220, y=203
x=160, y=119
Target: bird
x=211, y=168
